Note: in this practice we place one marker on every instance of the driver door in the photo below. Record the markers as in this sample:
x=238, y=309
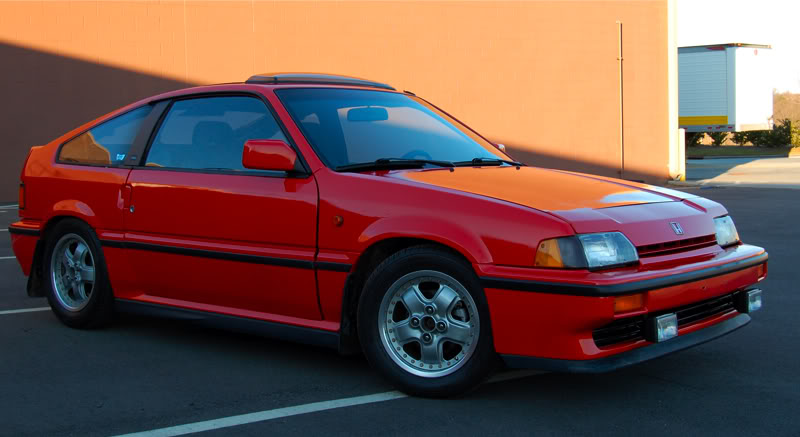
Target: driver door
x=203, y=232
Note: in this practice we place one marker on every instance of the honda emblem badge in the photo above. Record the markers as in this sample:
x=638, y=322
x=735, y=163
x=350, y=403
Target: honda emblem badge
x=677, y=228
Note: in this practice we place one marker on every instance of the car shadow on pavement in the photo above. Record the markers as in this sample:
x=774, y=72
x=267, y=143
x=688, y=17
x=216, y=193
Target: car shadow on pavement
x=195, y=335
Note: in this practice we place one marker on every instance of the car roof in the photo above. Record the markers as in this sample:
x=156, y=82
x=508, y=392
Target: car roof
x=276, y=81
x=314, y=78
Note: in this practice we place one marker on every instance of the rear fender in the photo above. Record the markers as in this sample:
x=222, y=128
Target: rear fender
x=74, y=208
x=65, y=208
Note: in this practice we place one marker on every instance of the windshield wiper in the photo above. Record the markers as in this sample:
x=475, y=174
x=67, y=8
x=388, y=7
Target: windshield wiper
x=393, y=163
x=487, y=161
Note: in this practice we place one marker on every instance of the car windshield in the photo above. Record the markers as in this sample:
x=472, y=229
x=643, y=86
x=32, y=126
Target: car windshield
x=349, y=126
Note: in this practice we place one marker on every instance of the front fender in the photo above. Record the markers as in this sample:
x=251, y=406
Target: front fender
x=448, y=233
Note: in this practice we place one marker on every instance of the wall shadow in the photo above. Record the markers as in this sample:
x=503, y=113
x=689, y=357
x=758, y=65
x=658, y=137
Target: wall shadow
x=44, y=95
x=540, y=158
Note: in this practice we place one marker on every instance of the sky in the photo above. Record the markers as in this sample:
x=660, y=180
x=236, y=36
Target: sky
x=773, y=22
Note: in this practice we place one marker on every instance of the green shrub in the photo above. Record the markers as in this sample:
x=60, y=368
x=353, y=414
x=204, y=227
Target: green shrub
x=779, y=136
x=789, y=133
x=758, y=137
x=693, y=138
x=740, y=138
x=717, y=138
x=795, y=134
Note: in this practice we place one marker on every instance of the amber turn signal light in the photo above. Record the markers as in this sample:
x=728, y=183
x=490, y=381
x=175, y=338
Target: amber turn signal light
x=548, y=254
x=562, y=252
x=624, y=304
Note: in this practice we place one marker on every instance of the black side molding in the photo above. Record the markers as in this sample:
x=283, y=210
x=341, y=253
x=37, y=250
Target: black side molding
x=228, y=256
x=625, y=359
x=280, y=331
x=335, y=267
x=625, y=288
x=23, y=231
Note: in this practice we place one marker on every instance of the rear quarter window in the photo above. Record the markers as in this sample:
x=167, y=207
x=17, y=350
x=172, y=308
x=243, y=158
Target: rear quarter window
x=107, y=143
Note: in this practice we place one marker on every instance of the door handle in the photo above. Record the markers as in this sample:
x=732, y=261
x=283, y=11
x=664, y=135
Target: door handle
x=127, y=193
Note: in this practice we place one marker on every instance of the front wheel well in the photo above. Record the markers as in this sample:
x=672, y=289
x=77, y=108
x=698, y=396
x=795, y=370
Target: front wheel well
x=366, y=264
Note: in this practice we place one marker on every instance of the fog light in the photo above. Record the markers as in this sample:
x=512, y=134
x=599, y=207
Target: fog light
x=663, y=328
x=753, y=300
x=749, y=301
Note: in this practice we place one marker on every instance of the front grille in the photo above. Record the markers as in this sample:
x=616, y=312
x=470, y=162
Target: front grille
x=701, y=310
x=619, y=331
x=633, y=328
x=676, y=246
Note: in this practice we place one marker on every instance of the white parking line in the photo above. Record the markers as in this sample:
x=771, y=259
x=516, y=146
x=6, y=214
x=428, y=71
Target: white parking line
x=24, y=310
x=8, y=257
x=261, y=416
x=314, y=407
x=9, y=207
x=3, y=230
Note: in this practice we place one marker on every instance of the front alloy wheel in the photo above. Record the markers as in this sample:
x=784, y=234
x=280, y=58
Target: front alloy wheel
x=428, y=323
x=423, y=322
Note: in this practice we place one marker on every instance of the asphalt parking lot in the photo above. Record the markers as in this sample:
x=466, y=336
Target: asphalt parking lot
x=755, y=172
x=143, y=374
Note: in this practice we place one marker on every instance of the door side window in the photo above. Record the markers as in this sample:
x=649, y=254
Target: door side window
x=209, y=133
x=106, y=143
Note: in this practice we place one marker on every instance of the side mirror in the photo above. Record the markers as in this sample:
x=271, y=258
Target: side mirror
x=268, y=155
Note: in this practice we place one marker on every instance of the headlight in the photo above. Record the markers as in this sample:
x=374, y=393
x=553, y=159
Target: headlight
x=592, y=251
x=726, y=231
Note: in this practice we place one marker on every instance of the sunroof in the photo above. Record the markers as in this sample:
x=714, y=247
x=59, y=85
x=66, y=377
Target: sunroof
x=312, y=78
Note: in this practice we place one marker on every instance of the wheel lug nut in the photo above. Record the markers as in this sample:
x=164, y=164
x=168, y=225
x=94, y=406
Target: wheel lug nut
x=427, y=337
x=441, y=326
x=428, y=309
x=414, y=322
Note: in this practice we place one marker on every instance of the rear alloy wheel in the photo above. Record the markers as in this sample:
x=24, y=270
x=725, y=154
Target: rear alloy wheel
x=77, y=286
x=72, y=272
x=423, y=322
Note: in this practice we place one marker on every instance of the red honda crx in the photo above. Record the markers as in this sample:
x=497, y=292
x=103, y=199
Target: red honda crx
x=339, y=212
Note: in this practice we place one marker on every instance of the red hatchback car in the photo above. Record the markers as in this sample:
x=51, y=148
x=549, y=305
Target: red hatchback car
x=339, y=212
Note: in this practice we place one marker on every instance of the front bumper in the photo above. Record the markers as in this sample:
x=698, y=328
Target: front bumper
x=614, y=362
x=547, y=318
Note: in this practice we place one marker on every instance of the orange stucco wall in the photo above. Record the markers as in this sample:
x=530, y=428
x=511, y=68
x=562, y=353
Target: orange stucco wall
x=541, y=77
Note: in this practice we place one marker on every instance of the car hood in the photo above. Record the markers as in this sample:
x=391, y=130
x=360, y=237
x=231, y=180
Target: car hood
x=542, y=189
x=588, y=203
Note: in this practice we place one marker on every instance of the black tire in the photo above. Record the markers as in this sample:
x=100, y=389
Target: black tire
x=475, y=368
x=98, y=309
